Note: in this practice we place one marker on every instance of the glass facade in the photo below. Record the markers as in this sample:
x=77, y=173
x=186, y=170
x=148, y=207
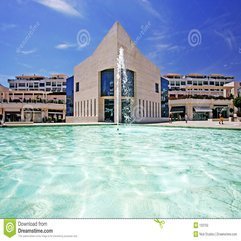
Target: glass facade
x=109, y=110
x=164, y=98
x=126, y=111
x=200, y=116
x=70, y=96
x=107, y=82
x=127, y=87
x=222, y=109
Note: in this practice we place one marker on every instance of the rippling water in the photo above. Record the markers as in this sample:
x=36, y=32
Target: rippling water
x=94, y=172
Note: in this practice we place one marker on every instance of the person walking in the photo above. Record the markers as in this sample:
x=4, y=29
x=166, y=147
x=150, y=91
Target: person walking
x=186, y=117
x=220, y=119
x=170, y=118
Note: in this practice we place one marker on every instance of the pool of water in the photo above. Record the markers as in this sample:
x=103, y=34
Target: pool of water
x=140, y=171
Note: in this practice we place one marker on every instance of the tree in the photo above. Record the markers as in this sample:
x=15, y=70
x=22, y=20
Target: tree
x=237, y=102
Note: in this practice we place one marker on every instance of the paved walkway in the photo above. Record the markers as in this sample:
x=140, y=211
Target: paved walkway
x=24, y=124
x=194, y=124
x=202, y=124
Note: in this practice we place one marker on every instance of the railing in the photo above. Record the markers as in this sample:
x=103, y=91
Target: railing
x=200, y=97
x=33, y=101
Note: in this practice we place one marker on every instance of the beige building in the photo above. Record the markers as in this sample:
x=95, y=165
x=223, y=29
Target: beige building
x=95, y=84
x=232, y=89
x=199, y=96
x=54, y=83
x=31, y=106
x=197, y=84
x=200, y=109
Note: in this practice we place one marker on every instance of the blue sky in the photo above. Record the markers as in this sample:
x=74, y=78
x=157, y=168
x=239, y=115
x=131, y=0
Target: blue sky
x=192, y=36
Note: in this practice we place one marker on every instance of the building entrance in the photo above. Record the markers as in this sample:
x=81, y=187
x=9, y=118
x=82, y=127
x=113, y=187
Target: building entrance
x=109, y=110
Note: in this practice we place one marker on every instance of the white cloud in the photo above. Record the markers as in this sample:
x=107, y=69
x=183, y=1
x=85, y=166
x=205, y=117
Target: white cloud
x=6, y=26
x=228, y=37
x=157, y=36
x=65, y=46
x=149, y=8
x=166, y=47
x=160, y=49
x=62, y=6
x=26, y=52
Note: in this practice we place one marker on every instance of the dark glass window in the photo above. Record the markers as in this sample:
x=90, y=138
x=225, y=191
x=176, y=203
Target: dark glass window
x=109, y=110
x=107, y=82
x=156, y=88
x=189, y=82
x=77, y=87
x=41, y=84
x=128, y=85
x=70, y=96
x=211, y=83
x=164, y=98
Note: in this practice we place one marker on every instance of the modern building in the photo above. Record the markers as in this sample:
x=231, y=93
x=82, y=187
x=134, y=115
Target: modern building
x=232, y=89
x=55, y=83
x=197, y=84
x=200, y=109
x=31, y=106
x=96, y=86
x=199, y=96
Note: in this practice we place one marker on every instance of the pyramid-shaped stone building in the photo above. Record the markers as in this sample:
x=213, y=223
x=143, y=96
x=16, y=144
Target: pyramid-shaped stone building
x=95, y=83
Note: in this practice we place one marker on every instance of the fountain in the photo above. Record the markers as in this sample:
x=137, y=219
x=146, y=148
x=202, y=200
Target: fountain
x=122, y=81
